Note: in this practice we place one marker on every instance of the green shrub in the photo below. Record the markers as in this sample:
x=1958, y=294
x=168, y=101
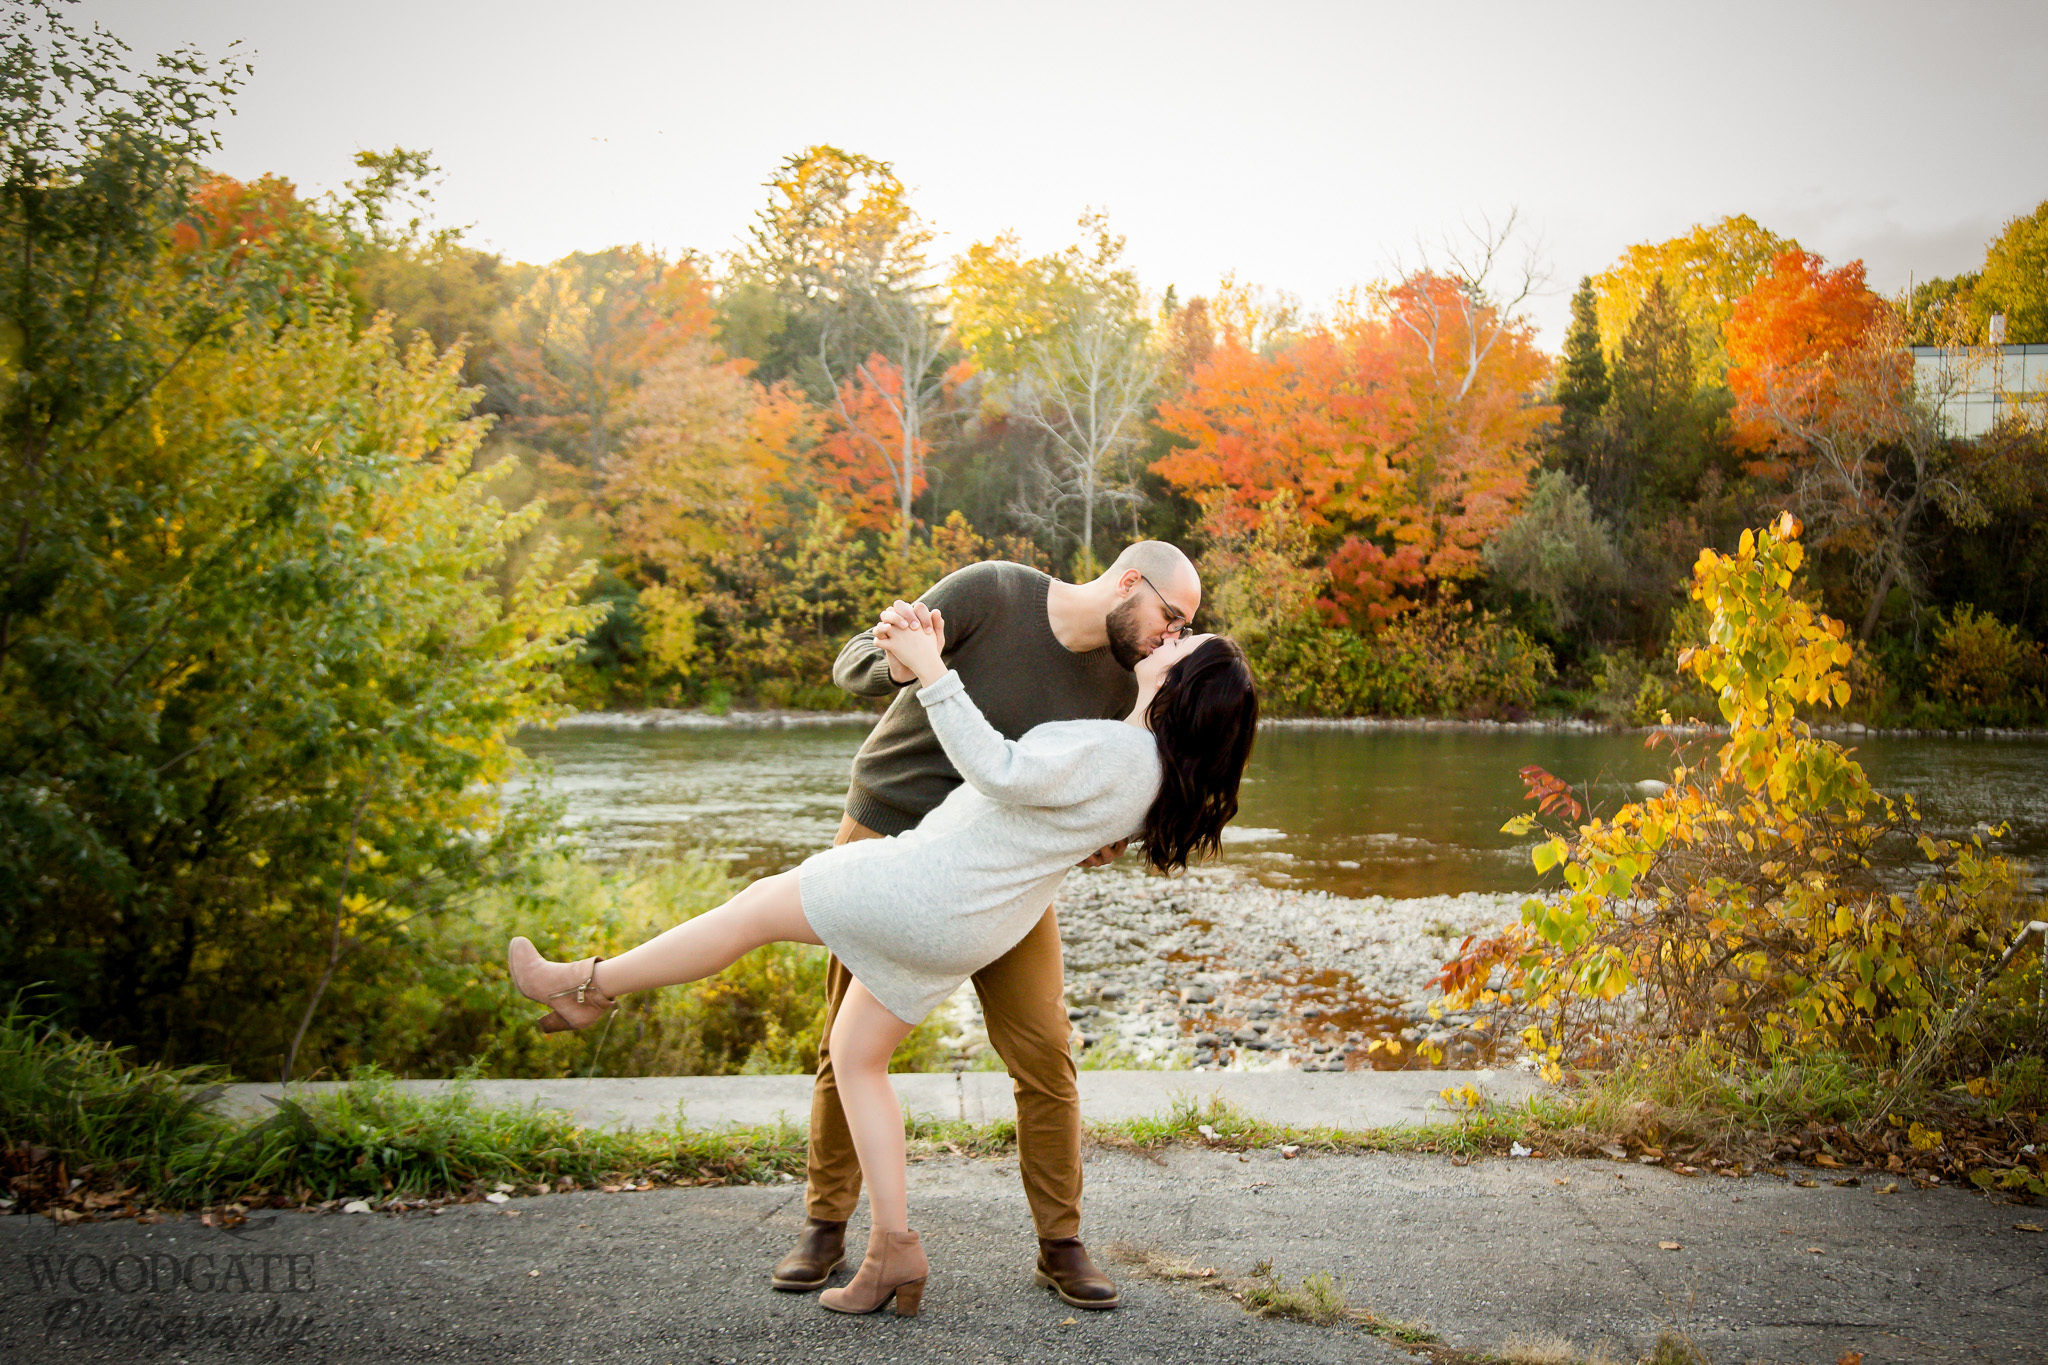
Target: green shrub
x=762, y=1015
x=1985, y=668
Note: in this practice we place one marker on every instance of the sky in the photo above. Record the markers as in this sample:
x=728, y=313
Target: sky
x=1300, y=146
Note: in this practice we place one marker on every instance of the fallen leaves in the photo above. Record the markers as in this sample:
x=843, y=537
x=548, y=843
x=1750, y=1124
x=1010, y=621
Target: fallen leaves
x=1670, y=1246
x=2026, y=1227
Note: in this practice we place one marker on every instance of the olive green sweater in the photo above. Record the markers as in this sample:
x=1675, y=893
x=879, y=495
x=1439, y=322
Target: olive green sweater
x=999, y=639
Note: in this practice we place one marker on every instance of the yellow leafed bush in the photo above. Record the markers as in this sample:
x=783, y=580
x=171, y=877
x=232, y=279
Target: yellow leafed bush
x=1743, y=902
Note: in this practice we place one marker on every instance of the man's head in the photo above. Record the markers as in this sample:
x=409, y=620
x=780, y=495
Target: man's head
x=1154, y=593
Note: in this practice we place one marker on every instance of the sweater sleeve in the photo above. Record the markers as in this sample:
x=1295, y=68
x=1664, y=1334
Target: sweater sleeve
x=863, y=669
x=1028, y=772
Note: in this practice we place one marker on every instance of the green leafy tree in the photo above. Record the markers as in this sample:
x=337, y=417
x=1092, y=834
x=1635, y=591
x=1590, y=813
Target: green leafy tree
x=1939, y=312
x=1660, y=435
x=1582, y=387
x=1556, y=551
x=1068, y=351
x=257, y=686
x=2014, y=280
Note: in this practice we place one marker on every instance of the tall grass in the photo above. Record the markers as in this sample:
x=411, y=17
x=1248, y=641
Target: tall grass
x=446, y=1004
x=72, y=1108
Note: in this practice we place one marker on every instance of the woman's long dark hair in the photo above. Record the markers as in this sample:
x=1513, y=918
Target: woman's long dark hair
x=1203, y=718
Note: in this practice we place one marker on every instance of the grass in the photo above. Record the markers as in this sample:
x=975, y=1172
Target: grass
x=85, y=1132
x=1321, y=1299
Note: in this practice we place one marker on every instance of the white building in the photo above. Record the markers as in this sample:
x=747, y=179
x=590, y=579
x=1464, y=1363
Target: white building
x=1973, y=387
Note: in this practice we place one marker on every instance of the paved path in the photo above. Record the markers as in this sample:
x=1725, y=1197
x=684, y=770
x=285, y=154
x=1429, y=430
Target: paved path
x=1765, y=1270
x=1351, y=1100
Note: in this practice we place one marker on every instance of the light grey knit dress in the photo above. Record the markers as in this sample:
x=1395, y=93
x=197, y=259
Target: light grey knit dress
x=914, y=915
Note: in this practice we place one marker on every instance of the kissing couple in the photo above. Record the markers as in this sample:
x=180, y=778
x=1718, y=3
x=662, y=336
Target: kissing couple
x=1050, y=724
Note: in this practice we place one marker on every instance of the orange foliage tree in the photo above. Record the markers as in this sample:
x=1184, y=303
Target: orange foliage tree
x=865, y=466
x=225, y=214
x=1789, y=340
x=1404, y=434
x=1827, y=399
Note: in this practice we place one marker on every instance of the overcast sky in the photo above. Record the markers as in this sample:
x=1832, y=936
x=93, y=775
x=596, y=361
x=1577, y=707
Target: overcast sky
x=1303, y=146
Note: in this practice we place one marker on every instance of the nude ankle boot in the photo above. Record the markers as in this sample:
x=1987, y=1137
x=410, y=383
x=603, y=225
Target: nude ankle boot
x=895, y=1265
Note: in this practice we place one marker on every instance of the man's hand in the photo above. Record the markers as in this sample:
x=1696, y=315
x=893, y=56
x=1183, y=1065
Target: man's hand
x=1105, y=855
x=909, y=616
x=911, y=637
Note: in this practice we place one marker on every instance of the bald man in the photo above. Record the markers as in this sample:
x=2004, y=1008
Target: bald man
x=1031, y=649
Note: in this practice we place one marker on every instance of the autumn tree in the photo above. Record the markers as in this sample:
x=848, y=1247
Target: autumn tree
x=1068, y=352
x=1706, y=270
x=836, y=234
x=863, y=465
x=1404, y=432
x=1471, y=369
x=1829, y=402
x=705, y=456
x=574, y=345
x=2014, y=280
x=834, y=291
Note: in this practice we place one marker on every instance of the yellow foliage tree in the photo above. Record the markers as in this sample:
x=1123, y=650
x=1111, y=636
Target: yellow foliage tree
x=1706, y=269
x=1744, y=901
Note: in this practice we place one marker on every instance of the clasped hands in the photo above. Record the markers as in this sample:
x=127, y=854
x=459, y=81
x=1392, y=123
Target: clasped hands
x=912, y=637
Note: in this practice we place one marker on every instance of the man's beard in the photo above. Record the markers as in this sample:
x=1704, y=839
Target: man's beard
x=1126, y=642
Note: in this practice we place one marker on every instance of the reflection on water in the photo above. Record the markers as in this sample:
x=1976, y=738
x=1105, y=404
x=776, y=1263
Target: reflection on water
x=1390, y=813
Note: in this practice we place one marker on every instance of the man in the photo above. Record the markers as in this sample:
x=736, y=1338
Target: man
x=1031, y=649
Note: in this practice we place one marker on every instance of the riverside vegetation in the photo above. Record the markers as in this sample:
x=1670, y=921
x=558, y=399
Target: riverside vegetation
x=309, y=508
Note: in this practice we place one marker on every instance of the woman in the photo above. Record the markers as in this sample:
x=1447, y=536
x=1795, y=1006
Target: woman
x=915, y=915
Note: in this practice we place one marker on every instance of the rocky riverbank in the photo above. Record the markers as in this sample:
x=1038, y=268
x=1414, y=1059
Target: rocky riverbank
x=1214, y=970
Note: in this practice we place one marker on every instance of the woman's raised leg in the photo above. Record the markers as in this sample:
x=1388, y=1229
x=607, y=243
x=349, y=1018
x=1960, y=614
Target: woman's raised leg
x=769, y=911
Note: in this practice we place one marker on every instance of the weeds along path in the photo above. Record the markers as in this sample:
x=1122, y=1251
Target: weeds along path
x=1473, y=1257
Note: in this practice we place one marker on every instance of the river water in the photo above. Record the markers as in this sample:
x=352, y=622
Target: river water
x=1359, y=858
x=1399, y=813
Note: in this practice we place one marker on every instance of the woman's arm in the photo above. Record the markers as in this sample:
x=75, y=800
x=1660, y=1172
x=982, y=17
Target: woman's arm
x=1037, y=771
x=1043, y=773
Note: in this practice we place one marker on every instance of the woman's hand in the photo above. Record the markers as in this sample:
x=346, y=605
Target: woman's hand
x=912, y=636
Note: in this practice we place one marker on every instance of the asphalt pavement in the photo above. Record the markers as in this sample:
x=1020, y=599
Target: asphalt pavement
x=1759, y=1269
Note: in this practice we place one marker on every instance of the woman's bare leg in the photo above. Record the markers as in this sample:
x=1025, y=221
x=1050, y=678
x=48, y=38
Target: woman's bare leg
x=769, y=911
x=864, y=1037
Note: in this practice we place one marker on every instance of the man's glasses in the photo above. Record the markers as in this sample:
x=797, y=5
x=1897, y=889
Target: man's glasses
x=1177, y=623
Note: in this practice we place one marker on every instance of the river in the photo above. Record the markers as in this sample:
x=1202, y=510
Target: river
x=1385, y=812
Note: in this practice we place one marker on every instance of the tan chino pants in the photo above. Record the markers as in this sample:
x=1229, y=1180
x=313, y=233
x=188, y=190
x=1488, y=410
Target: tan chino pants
x=1024, y=1003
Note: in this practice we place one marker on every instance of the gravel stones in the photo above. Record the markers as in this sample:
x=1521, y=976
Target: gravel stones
x=1214, y=969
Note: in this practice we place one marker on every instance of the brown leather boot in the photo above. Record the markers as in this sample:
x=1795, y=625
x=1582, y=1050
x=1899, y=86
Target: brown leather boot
x=894, y=1267
x=820, y=1249
x=1064, y=1268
